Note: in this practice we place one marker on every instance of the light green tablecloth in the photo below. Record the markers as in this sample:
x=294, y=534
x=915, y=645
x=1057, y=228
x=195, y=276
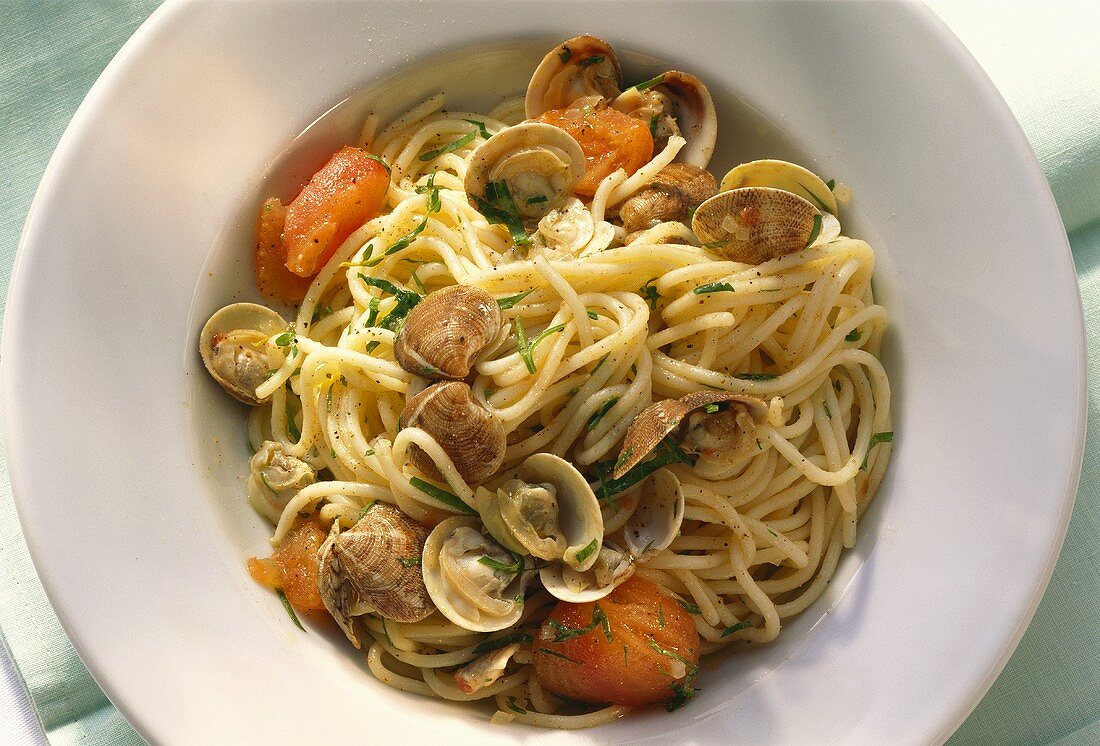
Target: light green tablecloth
x=1046, y=62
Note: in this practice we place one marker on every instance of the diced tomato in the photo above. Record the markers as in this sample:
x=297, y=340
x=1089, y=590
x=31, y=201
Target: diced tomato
x=293, y=567
x=269, y=258
x=609, y=139
x=646, y=651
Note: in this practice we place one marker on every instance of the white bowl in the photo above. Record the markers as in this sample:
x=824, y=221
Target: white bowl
x=127, y=464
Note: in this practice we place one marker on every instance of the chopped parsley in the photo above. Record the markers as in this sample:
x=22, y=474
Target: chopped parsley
x=816, y=231
x=410, y=561
x=593, y=60
x=831, y=183
x=565, y=632
x=565, y=55
x=821, y=205
x=667, y=452
x=537, y=199
x=447, y=498
x=449, y=147
x=682, y=691
x=406, y=301
x=512, y=569
x=585, y=553
x=736, y=628
x=499, y=208
x=490, y=645
x=480, y=128
x=374, y=157
x=689, y=607
x=289, y=609
x=875, y=440
x=656, y=80
x=714, y=287
x=756, y=376
x=649, y=292
x=512, y=300
x=604, y=408
x=526, y=350
x=366, y=509
x=711, y=408
x=852, y=336
x=556, y=654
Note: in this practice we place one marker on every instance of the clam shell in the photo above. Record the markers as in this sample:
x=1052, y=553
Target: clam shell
x=470, y=434
x=468, y=606
x=539, y=162
x=231, y=344
x=657, y=518
x=671, y=195
x=686, y=99
x=365, y=565
x=579, y=515
x=782, y=175
x=445, y=333
x=565, y=583
x=567, y=74
x=755, y=224
x=658, y=420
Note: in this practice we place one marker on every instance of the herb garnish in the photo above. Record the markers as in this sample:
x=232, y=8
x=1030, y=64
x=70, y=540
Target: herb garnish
x=292, y=426
x=711, y=408
x=480, y=128
x=565, y=632
x=512, y=569
x=689, y=607
x=831, y=183
x=682, y=691
x=649, y=292
x=814, y=197
x=667, y=452
x=406, y=300
x=511, y=705
x=661, y=614
x=875, y=440
x=714, y=287
x=447, y=498
x=816, y=231
x=374, y=157
x=852, y=336
x=366, y=509
x=587, y=551
x=565, y=55
x=595, y=418
x=653, y=122
x=499, y=208
x=756, y=376
x=491, y=645
x=289, y=609
x=537, y=199
x=593, y=60
x=655, y=80
x=449, y=147
x=556, y=654
x=512, y=300
x=591, y=314
x=736, y=628
x=526, y=350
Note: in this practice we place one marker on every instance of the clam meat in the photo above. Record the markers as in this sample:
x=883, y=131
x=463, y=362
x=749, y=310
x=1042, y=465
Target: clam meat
x=613, y=566
x=583, y=67
x=233, y=346
x=675, y=103
x=275, y=477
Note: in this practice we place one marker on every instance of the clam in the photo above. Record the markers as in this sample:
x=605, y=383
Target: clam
x=583, y=67
x=721, y=434
x=275, y=477
x=612, y=567
x=446, y=332
x=469, y=433
x=674, y=192
x=657, y=518
x=755, y=224
x=374, y=566
x=233, y=348
x=484, y=671
x=547, y=510
x=789, y=177
x=473, y=580
x=675, y=103
x=533, y=165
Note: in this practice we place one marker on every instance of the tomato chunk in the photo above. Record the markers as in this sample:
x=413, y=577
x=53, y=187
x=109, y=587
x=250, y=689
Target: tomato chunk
x=638, y=646
x=609, y=139
x=269, y=258
x=293, y=567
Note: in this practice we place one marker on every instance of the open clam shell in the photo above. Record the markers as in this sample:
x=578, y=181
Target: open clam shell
x=783, y=175
x=612, y=568
x=677, y=103
x=578, y=68
x=755, y=224
x=473, y=581
x=232, y=345
x=653, y=423
x=538, y=163
x=657, y=518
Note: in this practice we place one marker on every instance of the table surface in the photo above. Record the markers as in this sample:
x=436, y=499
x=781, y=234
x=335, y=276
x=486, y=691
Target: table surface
x=1050, y=690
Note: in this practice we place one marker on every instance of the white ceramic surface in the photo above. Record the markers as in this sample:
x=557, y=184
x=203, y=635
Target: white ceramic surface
x=126, y=463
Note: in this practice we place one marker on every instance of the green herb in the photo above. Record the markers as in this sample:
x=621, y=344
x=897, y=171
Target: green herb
x=410, y=561
x=512, y=569
x=369, y=452
x=406, y=300
x=284, y=339
x=595, y=418
x=653, y=122
x=600, y=362
x=491, y=645
x=711, y=408
x=401, y=244
x=689, y=607
x=267, y=484
x=661, y=614
x=449, y=147
x=499, y=208
x=828, y=414
x=387, y=631
x=816, y=200
x=526, y=351
x=564, y=632
x=649, y=292
x=756, y=376
x=682, y=691
x=289, y=609
x=429, y=188
x=448, y=499
x=816, y=231
x=291, y=425
x=736, y=628
x=512, y=300
x=511, y=704
x=836, y=385
x=537, y=199
x=875, y=440
x=372, y=346
x=419, y=285
x=480, y=128
x=585, y=553
x=681, y=694
x=374, y=157
x=591, y=314
x=372, y=317
x=556, y=654
x=714, y=287
x=656, y=80
x=565, y=55
x=852, y=336
x=593, y=60
x=667, y=452
x=366, y=509
x=831, y=183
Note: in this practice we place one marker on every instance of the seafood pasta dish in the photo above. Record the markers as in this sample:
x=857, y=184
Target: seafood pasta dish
x=560, y=410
